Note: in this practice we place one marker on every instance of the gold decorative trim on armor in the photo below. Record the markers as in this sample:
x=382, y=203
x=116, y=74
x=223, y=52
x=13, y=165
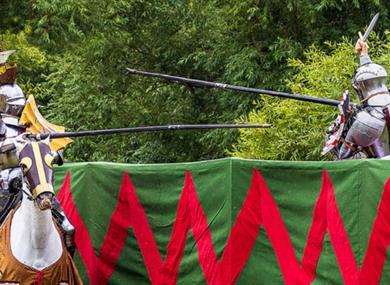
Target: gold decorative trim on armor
x=49, y=160
x=41, y=189
x=37, y=124
x=43, y=186
x=26, y=163
x=7, y=66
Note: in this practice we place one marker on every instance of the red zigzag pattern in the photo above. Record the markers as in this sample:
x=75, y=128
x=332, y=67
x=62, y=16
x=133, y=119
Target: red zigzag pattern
x=259, y=209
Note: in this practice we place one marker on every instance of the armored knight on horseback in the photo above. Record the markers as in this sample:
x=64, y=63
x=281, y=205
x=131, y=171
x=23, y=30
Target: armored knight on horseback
x=18, y=116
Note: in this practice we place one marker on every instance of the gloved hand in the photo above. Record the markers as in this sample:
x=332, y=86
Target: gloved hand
x=361, y=47
x=15, y=185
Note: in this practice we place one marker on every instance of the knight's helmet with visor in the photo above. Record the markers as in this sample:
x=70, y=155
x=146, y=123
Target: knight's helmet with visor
x=12, y=99
x=370, y=79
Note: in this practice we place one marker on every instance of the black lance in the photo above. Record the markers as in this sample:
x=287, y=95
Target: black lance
x=203, y=83
x=145, y=129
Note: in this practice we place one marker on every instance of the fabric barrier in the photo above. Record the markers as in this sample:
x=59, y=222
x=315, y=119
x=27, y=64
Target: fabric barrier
x=229, y=221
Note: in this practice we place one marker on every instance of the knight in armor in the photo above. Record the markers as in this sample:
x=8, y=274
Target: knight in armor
x=12, y=103
x=362, y=131
x=369, y=127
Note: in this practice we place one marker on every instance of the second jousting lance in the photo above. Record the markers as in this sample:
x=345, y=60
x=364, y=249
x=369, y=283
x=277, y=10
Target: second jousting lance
x=204, y=83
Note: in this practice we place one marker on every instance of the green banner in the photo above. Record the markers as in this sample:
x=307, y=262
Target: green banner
x=229, y=221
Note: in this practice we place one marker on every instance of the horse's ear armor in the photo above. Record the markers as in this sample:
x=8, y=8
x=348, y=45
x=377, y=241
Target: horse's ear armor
x=58, y=158
x=26, y=164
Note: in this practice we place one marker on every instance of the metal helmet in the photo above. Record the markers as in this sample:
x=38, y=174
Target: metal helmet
x=369, y=79
x=7, y=68
x=4, y=55
x=12, y=100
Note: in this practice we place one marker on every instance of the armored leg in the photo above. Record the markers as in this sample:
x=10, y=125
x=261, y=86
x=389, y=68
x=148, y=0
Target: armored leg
x=66, y=226
x=10, y=196
x=365, y=131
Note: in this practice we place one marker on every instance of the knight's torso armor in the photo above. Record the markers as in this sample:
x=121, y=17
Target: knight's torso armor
x=12, y=101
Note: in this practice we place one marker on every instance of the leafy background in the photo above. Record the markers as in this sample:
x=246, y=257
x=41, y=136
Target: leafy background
x=72, y=56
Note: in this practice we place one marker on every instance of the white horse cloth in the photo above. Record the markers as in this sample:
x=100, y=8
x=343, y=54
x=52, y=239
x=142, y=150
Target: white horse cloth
x=12, y=271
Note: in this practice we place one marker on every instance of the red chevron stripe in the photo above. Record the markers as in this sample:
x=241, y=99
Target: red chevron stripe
x=100, y=269
x=258, y=209
x=82, y=238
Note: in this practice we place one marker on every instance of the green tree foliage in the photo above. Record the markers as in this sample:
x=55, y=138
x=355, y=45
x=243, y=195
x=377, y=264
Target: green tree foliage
x=89, y=87
x=299, y=127
x=31, y=61
x=87, y=45
x=14, y=14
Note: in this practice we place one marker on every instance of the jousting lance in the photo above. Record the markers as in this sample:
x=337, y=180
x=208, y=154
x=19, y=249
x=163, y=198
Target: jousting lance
x=203, y=83
x=146, y=129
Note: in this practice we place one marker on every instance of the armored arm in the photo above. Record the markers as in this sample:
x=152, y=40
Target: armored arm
x=361, y=49
x=8, y=155
x=336, y=132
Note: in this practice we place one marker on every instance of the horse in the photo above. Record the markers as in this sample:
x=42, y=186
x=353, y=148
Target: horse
x=32, y=250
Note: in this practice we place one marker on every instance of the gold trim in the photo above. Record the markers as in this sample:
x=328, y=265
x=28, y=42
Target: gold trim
x=38, y=162
x=41, y=188
x=26, y=163
x=37, y=124
x=5, y=67
x=49, y=160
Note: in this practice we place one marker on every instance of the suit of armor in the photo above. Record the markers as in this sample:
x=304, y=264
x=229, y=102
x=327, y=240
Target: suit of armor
x=12, y=102
x=362, y=130
x=369, y=123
